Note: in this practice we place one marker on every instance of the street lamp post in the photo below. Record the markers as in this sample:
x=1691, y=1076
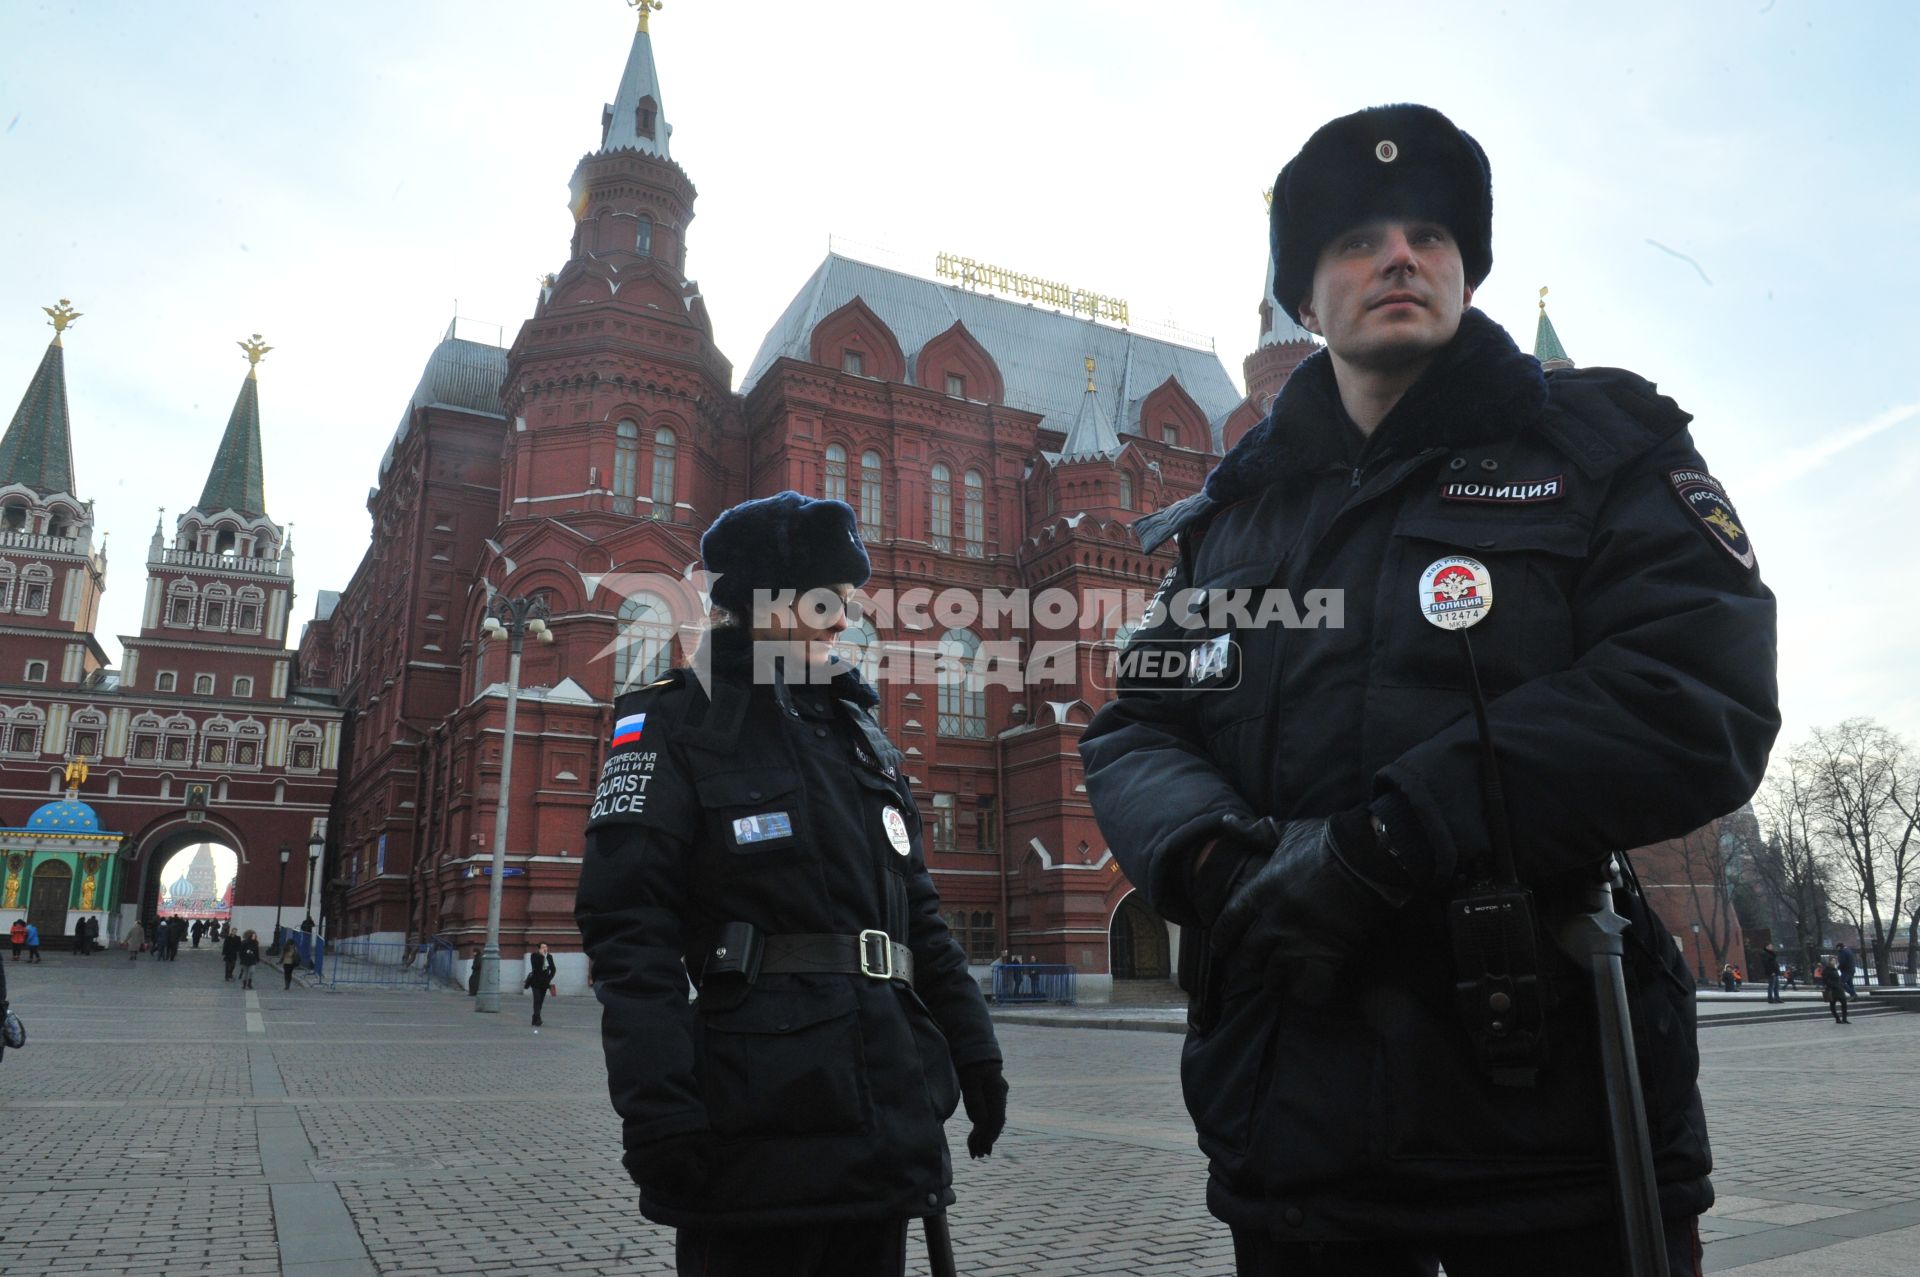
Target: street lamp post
x=280, y=895
x=1699, y=967
x=512, y=619
x=316, y=852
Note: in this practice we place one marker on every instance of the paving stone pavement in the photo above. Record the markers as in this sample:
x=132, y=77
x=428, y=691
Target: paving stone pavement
x=162, y=1121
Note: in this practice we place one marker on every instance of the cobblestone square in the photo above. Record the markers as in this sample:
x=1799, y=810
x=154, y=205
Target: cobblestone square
x=162, y=1121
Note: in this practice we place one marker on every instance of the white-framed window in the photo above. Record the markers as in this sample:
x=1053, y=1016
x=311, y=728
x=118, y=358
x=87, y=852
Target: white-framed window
x=242, y=686
x=303, y=749
x=645, y=640
x=963, y=701
x=249, y=605
x=854, y=362
x=834, y=485
x=643, y=236
x=956, y=385
x=36, y=671
x=870, y=506
x=181, y=603
x=85, y=732
x=203, y=684
x=6, y=586
x=940, y=507
x=165, y=681
x=664, y=447
x=36, y=590
x=1126, y=491
x=143, y=739
x=973, y=531
x=1169, y=434
x=249, y=744
x=215, y=602
x=176, y=742
x=216, y=743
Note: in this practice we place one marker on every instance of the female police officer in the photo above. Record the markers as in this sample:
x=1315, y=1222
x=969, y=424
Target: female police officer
x=759, y=831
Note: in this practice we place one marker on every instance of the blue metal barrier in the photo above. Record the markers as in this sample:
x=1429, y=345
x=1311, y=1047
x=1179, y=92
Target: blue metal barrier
x=371, y=963
x=1032, y=982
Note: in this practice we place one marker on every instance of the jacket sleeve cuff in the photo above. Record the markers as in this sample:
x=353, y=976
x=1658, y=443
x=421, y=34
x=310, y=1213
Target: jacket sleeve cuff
x=1406, y=837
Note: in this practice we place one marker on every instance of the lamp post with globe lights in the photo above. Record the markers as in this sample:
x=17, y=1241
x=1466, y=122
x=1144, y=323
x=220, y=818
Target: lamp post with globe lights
x=316, y=852
x=512, y=619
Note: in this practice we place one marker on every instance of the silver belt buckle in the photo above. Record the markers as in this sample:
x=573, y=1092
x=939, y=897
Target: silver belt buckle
x=876, y=955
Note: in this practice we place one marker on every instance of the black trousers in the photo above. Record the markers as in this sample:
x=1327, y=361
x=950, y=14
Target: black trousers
x=854, y=1248
x=539, y=997
x=1573, y=1252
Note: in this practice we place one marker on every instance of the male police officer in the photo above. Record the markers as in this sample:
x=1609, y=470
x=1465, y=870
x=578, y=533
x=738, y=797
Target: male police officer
x=759, y=834
x=1310, y=803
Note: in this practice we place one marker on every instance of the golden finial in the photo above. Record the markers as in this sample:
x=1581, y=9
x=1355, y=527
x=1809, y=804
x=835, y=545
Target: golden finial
x=256, y=351
x=1543, y=299
x=1089, y=373
x=77, y=772
x=645, y=7
x=62, y=316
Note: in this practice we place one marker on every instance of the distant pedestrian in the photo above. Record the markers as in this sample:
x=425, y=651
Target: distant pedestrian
x=93, y=934
x=541, y=970
x=1843, y=958
x=176, y=933
x=80, y=935
x=1773, y=974
x=289, y=960
x=230, y=951
x=199, y=929
x=1793, y=977
x=33, y=943
x=249, y=958
x=18, y=936
x=1729, y=979
x=1833, y=988
x=996, y=973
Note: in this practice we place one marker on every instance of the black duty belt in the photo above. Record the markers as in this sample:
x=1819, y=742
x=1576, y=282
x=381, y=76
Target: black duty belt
x=873, y=954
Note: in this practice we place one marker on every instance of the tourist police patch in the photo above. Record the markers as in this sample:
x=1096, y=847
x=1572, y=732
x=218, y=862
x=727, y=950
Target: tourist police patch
x=1703, y=497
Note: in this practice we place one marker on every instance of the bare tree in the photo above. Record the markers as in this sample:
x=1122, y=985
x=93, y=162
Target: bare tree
x=1788, y=867
x=1858, y=770
x=1702, y=856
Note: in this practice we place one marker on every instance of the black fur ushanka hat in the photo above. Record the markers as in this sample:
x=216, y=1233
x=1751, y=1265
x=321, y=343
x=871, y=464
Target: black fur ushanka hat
x=782, y=542
x=1385, y=161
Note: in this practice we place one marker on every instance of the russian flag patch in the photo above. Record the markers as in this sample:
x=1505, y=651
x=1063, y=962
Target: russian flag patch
x=627, y=730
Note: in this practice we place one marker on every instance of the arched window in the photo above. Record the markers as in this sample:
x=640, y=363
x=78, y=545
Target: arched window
x=225, y=541
x=85, y=733
x=856, y=645
x=974, y=515
x=870, y=494
x=834, y=488
x=36, y=587
x=1126, y=491
x=165, y=680
x=248, y=605
x=663, y=452
x=6, y=586
x=23, y=730
x=13, y=517
x=143, y=742
x=216, y=743
x=643, y=238
x=177, y=745
x=180, y=604
x=213, y=607
x=940, y=515
x=963, y=700
x=645, y=115
x=626, y=464
x=303, y=749
x=249, y=744
x=203, y=684
x=644, y=641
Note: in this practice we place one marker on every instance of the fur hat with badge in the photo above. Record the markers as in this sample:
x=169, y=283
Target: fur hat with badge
x=782, y=542
x=1385, y=161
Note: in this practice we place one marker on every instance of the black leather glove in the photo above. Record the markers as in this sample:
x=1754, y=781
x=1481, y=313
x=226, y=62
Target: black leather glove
x=983, y=1088
x=677, y=1166
x=1238, y=850
x=1308, y=912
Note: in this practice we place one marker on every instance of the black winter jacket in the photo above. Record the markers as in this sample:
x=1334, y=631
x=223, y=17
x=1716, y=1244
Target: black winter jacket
x=827, y=1092
x=1629, y=661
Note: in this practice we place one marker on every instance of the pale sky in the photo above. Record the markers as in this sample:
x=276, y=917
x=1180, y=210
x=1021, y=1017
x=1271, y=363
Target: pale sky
x=1721, y=196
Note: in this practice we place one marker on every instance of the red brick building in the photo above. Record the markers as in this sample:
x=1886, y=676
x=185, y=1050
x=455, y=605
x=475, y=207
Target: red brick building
x=989, y=446
x=203, y=734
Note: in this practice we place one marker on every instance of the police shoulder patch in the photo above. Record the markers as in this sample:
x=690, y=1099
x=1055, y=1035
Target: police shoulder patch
x=1701, y=496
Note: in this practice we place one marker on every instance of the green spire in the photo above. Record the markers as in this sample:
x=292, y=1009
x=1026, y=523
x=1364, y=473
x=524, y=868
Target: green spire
x=37, y=449
x=235, y=482
x=1546, y=342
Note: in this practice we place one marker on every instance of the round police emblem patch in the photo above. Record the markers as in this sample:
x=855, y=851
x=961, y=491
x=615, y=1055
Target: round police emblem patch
x=896, y=827
x=1456, y=592
x=1702, y=497
x=1386, y=152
